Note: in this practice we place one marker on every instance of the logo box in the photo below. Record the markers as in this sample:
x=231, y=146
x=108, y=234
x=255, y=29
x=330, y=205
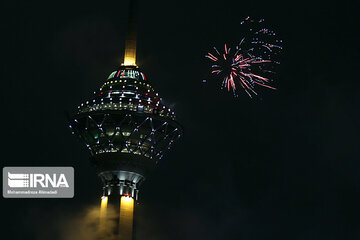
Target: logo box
x=38, y=182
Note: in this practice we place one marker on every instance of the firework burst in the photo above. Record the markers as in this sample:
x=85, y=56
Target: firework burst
x=251, y=63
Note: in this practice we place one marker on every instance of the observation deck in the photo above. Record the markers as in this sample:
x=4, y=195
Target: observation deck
x=127, y=128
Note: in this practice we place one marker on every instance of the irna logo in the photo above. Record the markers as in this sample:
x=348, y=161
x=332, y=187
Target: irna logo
x=22, y=180
x=38, y=182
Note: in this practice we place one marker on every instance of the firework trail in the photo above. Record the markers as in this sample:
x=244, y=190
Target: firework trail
x=251, y=63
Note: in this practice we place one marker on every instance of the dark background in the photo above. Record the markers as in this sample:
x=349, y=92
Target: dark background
x=282, y=167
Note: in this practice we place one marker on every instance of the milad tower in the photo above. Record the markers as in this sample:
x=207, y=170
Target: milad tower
x=127, y=128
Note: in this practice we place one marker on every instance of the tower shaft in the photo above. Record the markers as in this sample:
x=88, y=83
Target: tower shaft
x=126, y=219
x=117, y=216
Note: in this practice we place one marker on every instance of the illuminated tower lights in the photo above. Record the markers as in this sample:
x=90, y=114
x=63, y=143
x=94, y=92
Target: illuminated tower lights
x=127, y=129
x=124, y=119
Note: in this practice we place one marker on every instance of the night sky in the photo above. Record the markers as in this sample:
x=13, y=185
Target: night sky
x=285, y=166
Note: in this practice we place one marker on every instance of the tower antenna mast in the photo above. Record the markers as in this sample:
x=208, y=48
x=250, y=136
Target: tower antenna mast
x=131, y=35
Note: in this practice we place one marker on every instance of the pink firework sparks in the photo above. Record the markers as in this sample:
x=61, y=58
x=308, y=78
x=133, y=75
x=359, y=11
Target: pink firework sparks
x=251, y=64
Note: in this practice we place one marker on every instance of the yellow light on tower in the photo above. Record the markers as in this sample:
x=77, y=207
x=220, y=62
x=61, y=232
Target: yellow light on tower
x=130, y=55
x=126, y=218
x=103, y=210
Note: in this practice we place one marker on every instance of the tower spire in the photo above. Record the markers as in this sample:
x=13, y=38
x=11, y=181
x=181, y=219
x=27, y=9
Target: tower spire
x=131, y=35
